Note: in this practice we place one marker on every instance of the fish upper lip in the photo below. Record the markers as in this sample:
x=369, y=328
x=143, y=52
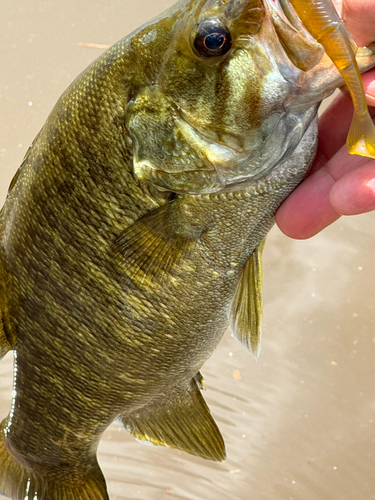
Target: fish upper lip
x=219, y=155
x=187, y=117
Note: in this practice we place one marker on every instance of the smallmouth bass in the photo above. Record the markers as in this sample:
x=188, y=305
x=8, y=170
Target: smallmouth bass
x=121, y=288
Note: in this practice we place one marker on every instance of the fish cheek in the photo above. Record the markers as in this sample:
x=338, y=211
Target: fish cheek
x=167, y=152
x=190, y=82
x=221, y=95
x=238, y=106
x=154, y=125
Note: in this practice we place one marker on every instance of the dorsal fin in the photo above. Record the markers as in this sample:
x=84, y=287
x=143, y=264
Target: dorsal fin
x=246, y=312
x=182, y=421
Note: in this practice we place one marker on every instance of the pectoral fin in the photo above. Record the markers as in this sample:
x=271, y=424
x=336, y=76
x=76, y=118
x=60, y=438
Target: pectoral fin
x=246, y=312
x=183, y=421
x=149, y=249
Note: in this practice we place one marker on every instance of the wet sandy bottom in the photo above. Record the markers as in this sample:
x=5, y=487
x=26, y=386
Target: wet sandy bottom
x=299, y=424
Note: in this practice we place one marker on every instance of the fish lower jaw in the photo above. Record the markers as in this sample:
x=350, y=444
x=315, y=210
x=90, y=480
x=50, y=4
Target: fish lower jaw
x=143, y=169
x=207, y=183
x=278, y=179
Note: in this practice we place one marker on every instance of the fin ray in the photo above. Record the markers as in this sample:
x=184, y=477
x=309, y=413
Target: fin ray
x=149, y=249
x=246, y=312
x=183, y=422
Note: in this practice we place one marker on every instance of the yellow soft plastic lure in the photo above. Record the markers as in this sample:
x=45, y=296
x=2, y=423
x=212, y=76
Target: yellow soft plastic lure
x=323, y=22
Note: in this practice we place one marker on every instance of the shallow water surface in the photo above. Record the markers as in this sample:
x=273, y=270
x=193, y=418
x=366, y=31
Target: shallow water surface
x=299, y=424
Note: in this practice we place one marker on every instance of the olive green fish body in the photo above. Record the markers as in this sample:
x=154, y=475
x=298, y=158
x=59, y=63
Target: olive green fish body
x=132, y=235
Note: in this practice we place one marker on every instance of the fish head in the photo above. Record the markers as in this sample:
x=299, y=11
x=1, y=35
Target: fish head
x=228, y=102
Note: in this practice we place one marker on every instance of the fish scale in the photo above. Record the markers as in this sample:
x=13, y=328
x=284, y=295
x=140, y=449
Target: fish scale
x=119, y=273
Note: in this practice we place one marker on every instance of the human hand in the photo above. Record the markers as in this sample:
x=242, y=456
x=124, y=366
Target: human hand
x=338, y=183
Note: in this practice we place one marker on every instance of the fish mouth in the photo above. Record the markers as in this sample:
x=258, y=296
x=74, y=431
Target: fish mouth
x=224, y=158
x=218, y=154
x=319, y=77
x=299, y=45
x=223, y=168
x=205, y=174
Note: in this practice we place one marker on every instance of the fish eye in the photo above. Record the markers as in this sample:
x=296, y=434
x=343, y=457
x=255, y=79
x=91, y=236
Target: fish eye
x=211, y=39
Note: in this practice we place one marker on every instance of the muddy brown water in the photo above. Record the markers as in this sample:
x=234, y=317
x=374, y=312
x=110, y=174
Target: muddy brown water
x=299, y=424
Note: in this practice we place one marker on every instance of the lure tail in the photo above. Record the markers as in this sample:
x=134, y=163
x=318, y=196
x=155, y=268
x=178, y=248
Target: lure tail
x=361, y=136
x=19, y=483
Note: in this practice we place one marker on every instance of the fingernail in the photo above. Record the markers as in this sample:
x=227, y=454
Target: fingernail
x=370, y=93
x=371, y=184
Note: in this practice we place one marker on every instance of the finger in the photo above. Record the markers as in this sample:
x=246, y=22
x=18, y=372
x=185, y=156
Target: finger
x=308, y=210
x=318, y=202
x=359, y=18
x=338, y=6
x=342, y=163
x=354, y=193
x=369, y=86
x=334, y=124
x=344, y=186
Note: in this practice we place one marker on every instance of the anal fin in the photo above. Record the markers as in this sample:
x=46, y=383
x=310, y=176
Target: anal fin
x=246, y=312
x=183, y=421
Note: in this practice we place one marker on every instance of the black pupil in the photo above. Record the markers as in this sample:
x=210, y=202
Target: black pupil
x=214, y=41
x=211, y=39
